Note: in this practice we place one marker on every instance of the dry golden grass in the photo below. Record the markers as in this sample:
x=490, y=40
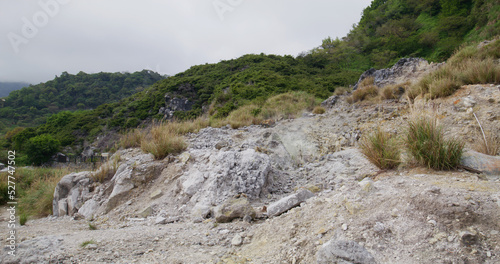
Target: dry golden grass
x=394, y=91
x=469, y=65
x=163, y=140
x=244, y=116
x=106, y=170
x=132, y=139
x=366, y=90
x=342, y=90
x=318, y=110
x=489, y=147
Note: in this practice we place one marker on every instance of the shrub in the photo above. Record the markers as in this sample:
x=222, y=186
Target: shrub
x=381, y=150
x=41, y=148
x=366, y=90
x=162, y=141
x=426, y=143
x=318, y=110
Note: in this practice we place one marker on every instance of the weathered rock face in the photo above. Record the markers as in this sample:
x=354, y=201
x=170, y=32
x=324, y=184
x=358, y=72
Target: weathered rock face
x=71, y=192
x=173, y=104
x=406, y=69
x=75, y=192
x=225, y=174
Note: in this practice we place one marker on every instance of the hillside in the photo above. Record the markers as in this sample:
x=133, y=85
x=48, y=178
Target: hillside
x=31, y=105
x=387, y=31
x=7, y=87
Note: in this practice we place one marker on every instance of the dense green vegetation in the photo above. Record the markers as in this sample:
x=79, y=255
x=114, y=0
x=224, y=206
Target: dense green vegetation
x=33, y=104
x=387, y=31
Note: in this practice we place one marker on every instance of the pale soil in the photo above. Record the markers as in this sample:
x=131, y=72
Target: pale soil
x=423, y=213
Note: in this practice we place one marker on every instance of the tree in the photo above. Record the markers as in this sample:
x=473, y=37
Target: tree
x=41, y=148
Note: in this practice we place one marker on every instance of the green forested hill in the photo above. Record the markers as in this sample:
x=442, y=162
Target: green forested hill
x=432, y=29
x=33, y=104
x=387, y=31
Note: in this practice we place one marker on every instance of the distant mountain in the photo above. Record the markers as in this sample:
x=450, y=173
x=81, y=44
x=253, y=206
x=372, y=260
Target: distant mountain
x=7, y=87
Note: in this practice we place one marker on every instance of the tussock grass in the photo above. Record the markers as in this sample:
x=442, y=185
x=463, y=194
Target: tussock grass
x=106, y=170
x=162, y=141
x=318, y=110
x=283, y=106
x=132, y=139
x=489, y=147
x=342, y=90
x=426, y=143
x=287, y=105
x=394, y=91
x=88, y=242
x=37, y=200
x=366, y=90
x=244, y=116
x=381, y=149
x=469, y=65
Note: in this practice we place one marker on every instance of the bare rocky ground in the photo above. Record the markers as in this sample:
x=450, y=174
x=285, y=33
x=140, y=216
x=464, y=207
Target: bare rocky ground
x=408, y=215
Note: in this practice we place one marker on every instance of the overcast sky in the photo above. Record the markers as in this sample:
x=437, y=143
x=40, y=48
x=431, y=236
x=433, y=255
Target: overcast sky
x=39, y=39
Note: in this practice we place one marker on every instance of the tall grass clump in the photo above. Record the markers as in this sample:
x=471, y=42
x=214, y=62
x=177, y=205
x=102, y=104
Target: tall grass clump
x=36, y=190
x=426, y=143
x=106, y=170
x=469, y=65
x=366, y=90
x=381, y=149
x=244, y=116
x=287, y=105
x=132, y=139
x=162, y=141
x=489, y=145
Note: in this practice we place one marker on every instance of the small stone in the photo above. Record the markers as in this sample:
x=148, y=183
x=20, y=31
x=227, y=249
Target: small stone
x=156, y=194
x=488, y=254
x=160, y=220
x=434, y=189
x=237, y=241
x=432, y=222
x=344, y=227
x=91, y=246
x=468, y=238
x=379, y=227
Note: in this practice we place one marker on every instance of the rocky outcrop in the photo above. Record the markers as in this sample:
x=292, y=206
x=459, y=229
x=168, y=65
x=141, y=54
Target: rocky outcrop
x=406, y=69
x=76, y=193
x=71, y=192
x=173, y=104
